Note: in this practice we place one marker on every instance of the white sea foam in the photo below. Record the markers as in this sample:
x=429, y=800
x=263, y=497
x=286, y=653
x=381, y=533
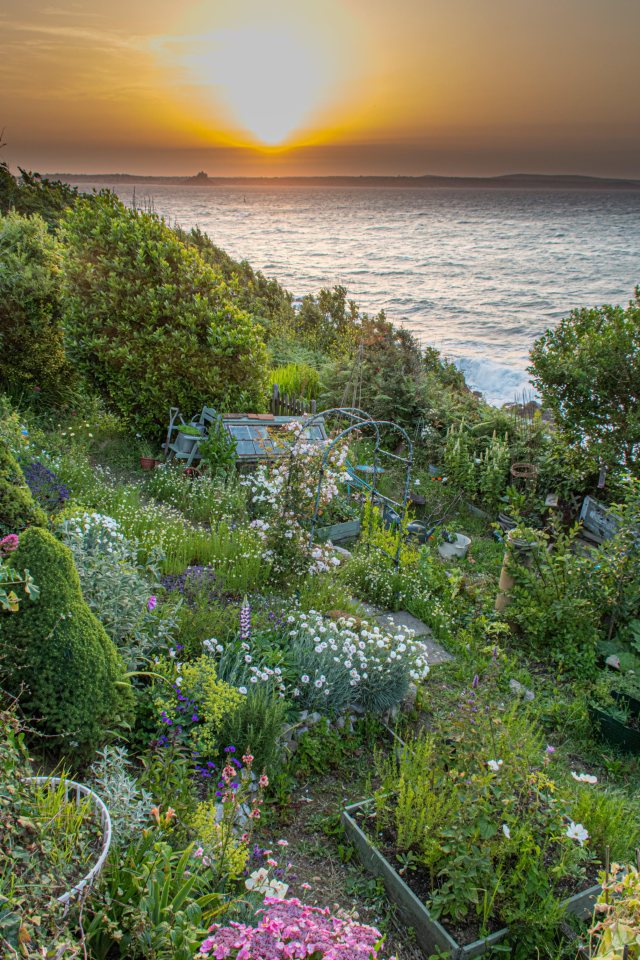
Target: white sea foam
x=498, y=383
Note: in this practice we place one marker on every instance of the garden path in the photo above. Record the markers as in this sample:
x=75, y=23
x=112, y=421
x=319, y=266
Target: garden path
x=402, y=618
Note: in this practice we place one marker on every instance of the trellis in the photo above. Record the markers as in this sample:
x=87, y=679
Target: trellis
x=394, y=511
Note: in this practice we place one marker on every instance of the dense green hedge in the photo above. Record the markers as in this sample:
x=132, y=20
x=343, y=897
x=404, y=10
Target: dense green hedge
x=150, y=323
x=56, y=656
x=17, y=506
x=31, y=342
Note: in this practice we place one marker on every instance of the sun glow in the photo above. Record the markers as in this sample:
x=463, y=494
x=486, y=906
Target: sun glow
x=270, y=79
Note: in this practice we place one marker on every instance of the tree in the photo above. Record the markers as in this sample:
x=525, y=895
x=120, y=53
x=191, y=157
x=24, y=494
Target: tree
x=31, y=339
x=587, y=371
x=149, y=322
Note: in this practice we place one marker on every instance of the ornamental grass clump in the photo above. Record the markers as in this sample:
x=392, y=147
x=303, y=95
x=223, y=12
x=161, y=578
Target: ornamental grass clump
x=289, y=928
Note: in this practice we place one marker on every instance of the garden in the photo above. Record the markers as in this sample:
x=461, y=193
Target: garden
x=373, y=692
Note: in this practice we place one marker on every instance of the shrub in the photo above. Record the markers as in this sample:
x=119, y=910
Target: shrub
x=117, y=587
x=388, y=380
x=56, y=656
x=31, y=342
x=31, y=193
x=17, y=506
x=256, y=725
x=588, y=373
x=150, y=322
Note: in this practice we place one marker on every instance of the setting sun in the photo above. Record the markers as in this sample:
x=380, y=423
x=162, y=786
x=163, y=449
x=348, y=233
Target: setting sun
x=293, y=80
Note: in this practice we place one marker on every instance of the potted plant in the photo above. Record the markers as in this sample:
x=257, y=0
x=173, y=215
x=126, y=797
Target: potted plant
x=188, y=436
x=147, y=457
x=453, y=546
x=218, y=451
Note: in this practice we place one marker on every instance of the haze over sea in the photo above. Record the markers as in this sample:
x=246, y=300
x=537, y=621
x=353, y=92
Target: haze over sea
x=478, y=273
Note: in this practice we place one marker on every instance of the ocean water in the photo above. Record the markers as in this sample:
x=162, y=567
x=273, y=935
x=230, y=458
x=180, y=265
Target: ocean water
x=478, y=273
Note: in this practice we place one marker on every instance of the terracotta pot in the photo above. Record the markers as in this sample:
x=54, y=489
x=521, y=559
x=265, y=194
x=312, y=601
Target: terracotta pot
x=148, y=463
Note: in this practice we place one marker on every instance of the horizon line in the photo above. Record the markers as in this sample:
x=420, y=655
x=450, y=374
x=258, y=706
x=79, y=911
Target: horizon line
x=202, y=178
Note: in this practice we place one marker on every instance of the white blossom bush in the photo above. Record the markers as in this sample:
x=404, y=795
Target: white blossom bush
x=282, y=496
x=329, y=666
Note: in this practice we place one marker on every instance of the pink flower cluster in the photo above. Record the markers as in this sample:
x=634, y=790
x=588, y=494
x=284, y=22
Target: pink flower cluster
x=9, y=543
x=291, y=930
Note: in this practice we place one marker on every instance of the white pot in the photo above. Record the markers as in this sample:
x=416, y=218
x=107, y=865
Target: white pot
x=456, y=550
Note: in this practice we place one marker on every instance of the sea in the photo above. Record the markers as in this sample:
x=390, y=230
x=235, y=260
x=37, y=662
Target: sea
x=478, y=273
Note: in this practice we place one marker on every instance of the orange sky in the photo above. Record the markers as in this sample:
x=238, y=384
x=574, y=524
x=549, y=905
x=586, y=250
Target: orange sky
x=265, y=87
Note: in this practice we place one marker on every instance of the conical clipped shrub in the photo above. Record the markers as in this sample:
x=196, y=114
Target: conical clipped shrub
x=18, y=509
x=56, y=656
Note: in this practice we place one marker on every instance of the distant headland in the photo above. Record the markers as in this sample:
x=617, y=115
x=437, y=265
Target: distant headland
x=516, y=181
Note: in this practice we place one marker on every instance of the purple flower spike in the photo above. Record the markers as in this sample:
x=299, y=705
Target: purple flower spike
x=245, y=620
x=476, y=681
x=152, y=603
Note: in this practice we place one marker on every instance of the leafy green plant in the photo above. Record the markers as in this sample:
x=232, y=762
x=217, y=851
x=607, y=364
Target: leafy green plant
x=218, y=451
x=118, y=588
x=553, y=599
x=256, y=725
x=150, y=322
x=154, y=902
x=615, y=931
x=473, y=809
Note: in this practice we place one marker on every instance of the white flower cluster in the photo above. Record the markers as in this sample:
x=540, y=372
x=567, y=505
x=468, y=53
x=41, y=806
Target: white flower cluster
x=349, y=662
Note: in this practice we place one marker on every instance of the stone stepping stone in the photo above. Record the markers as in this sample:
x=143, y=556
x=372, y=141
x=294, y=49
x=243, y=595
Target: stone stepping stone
x=394, y=621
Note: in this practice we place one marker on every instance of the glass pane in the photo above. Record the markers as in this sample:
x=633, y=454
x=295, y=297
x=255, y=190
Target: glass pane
x=245, y=448
x=259, y=432
x=240, y=433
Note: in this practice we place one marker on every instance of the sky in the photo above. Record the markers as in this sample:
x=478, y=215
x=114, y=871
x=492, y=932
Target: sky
x=321, y=87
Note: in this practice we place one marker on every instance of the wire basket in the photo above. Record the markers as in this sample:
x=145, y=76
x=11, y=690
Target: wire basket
x=82, y=793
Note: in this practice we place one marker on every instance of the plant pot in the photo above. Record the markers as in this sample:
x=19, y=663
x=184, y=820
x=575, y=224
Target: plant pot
x=148, y=463
x=457, y=550
x=336, y=532
x=431, y=936
x=185, y=443
x=614, y=731
x=80, y=792
x=524, y=471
